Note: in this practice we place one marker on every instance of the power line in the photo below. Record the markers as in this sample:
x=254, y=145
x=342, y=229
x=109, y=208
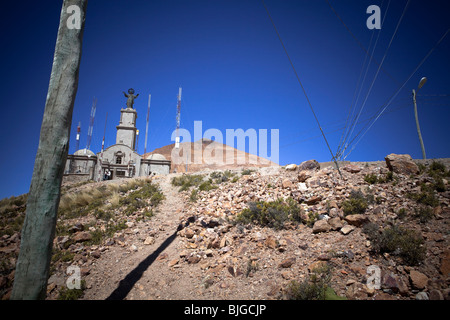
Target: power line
x=310, y=138
x=359, y=42
x=379, y=67
x=301, y=85
x=355, y=120
x=351, y=109
x=397, y=92
x=402, y=106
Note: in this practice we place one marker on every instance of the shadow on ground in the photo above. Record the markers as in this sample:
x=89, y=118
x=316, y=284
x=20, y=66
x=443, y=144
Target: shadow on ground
x=131, y=278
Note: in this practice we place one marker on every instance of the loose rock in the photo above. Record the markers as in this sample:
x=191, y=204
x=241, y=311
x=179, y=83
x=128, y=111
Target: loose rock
x=309, y=165
x=357, y=219
x=418, y=279
x=321, y=226
x=401, y=163
x=347, y=229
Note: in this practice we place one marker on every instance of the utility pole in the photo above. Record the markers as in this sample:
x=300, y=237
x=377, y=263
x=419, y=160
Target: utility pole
x=421, y=83
x=38, y=231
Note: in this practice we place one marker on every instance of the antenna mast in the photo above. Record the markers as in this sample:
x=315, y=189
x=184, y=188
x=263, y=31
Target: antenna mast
x=99, y=178
x=177, y=138
x=77, y=146
x=146, y=127
x=91, y=124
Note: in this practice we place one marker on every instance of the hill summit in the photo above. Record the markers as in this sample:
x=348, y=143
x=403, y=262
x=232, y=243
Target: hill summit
x=206, y=153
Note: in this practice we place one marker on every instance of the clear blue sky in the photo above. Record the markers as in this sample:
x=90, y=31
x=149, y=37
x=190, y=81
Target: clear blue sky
x=234, y=73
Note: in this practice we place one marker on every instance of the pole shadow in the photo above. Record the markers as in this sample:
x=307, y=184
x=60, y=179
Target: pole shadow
x=131, y=278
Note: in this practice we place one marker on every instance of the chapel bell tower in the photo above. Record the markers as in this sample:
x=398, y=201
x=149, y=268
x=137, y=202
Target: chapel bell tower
x=126, y=130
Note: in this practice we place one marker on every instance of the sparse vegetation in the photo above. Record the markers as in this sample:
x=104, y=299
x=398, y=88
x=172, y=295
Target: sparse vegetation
x=247, y=172
x=438, y=184
x=312, y=218
x=71, y=186
x=207, y=186
x=422, y=168
x=194, y=195
x=218, y=177
x=62, y=255
x=79, y=204
x=271, y=214
x=372, y=178
x=315, y=287
x=186, y=181
x=140, y=198
x=108, y=231
x=200, y=184
x=252, y=267
x=426, y=196
x=401, y=213
x=72, y=294
x=356, y=203
x=438, y=169
x=405, y=243
x=423, y=213
x=12, y=214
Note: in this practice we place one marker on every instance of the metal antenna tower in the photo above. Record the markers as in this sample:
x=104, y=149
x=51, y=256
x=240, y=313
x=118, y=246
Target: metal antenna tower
x=77, y=146
x=177, y=139
x=99, y=178
x=91, y=124
x=146, y=127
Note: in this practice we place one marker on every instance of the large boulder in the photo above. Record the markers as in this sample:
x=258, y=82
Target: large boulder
x=335, y=223
x=418, y=279
x=82, y=236
x=352, y=168
x=309, y=165
x=321, y=226
x=445, y=263
x=356, y=219
x=401, y=163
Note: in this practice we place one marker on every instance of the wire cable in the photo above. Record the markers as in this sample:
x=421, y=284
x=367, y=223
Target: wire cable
x=350, y=129
x=398, y=91
x=379, y=67
x=351, y=108
x=355, y=120
x=402, y=106
x=303, y=89
x=359, y=42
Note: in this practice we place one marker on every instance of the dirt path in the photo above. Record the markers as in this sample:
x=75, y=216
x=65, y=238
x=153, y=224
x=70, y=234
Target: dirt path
x=137, y=270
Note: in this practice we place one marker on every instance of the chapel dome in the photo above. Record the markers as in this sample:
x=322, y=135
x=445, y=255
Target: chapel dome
x=84, y=152
x=156, y=156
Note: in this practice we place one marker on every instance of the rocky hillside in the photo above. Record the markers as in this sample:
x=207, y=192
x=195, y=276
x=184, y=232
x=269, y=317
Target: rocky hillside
x=379, y=231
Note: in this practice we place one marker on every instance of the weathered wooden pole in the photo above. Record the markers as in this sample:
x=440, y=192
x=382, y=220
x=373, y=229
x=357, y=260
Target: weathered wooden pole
x=33, y=264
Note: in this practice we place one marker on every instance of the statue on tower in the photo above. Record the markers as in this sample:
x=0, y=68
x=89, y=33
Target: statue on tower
x=130, y=97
